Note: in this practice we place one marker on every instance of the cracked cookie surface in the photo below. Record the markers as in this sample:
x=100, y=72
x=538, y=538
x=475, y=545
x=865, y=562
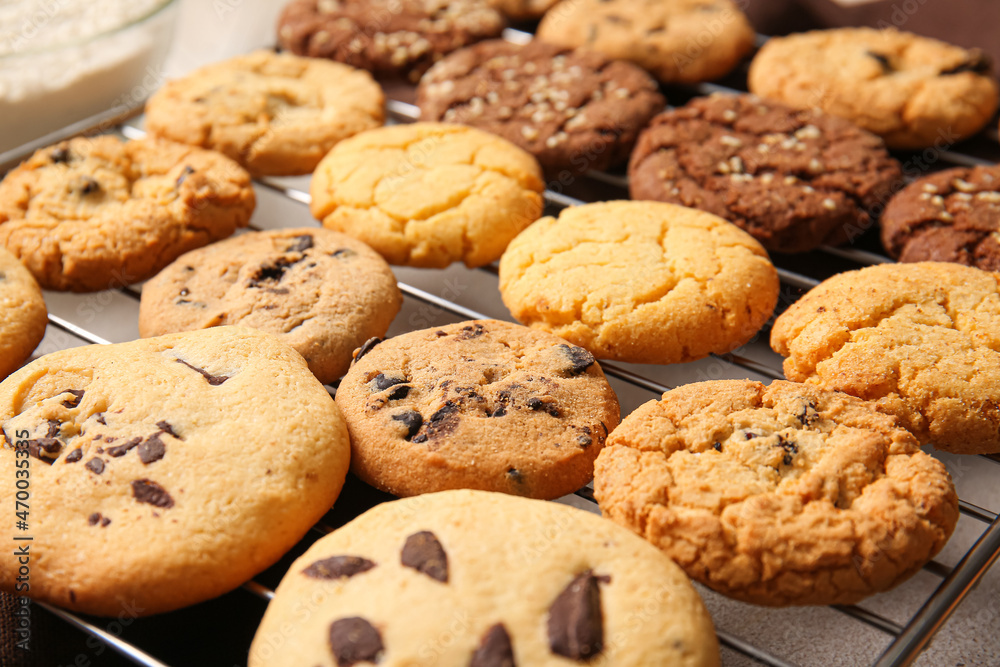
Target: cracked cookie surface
x=779, y=495
x=570, y=108
x=321, y=292
x=148, y=489
x=484, y=580
x=275, y=114
x=644, y=282
x=950, y=216
x=793, y=179
x=666, y=37
x=482, y=404
x=921, y=341
x=23, y=316
x=94, y=213
x=913, y=91
x=428, y=194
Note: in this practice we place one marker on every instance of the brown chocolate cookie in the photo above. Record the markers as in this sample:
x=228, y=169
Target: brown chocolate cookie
x=388, y=37
x=950, y=216
x=571, y=108
x=793, y=179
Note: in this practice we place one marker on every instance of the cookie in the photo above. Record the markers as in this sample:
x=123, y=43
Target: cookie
x=640, y=281
x=320, y=292
x=950, y=216
x=678, y=41
x=483, y=405
x=778, y=495
x=166, y=471
x=275, y=114
x=94, y=213
x=522, y=10
x=485, y=580
x=919, y=340
x=23, y=316
x=793, y=179
x=913, y=91
x=387, y=37
x=428, y=194
x=570, y=108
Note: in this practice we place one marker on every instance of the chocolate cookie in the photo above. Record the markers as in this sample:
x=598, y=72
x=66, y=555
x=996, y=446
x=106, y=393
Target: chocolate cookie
x=320, y=292
x=522, y=10
x=23, y=316
x=481, y=405
x=570, y=108
x=386, y=37
x=950, y=216
x=793, y=179
x=95, y=213
x=475, y=579
x=913, y=91
x=166, y=471
x=779, y=495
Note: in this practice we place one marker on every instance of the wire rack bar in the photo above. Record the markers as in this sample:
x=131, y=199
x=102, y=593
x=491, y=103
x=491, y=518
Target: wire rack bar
x=77, y=331
x=116, y=643
x=976, y=512
x=871, y=618
x=746, y=648
x=260, y=590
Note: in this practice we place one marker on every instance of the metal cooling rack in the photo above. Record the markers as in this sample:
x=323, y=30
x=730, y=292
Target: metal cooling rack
x=72, y=321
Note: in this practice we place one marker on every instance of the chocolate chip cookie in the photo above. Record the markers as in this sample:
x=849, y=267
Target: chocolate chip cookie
x=913, y=91
x=570, y=108
x=485, y=580
x=921, y=341
x=793, y=179
x=386, y=37
x=779, y=495
x=950, y=216
x=94, y=213
x=275, y=114
x=678, y=41
x=482, y=404
x=640, y=281
x=166, y=471
x=321, y=292
x=428, y=194
x=23, y=316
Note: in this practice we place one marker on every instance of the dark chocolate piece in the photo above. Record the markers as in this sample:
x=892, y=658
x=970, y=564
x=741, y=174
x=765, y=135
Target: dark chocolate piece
x=471, y=331
x=60, y=155
x=214, y=380
x=149, y=492
x=576, y=621
x=791, y=449
x=95, y=465
x=88, y=185
x=167, y=428
x=302, y=243
x=121, y=450
x=188, y=170
x=411, y=420
x=883, y=60
x=75, y=401
x=424, y=553
x=495, y=649
x=152, y=449
x=978, y=63
x=366, y=347
x=343, y=253
x=355, y=640
x=538, y=405
x=579, y=358
x=338, y=567
x=74, y=455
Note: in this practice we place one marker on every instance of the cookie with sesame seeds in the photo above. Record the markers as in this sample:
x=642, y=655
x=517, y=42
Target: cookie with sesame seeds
x=394, y=38
x=950, y=216
x=482, y=404
x=523, y=10
x=570, y=108
x=793, y=179
x=677, y=41
x=23, y=316
x=777, y=495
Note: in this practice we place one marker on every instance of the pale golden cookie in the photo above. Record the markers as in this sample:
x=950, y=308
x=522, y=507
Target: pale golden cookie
x=644, y=282
x=921, y=340
x=428, y=194
x=273, y=113
x=23, y=316
x=779, y=495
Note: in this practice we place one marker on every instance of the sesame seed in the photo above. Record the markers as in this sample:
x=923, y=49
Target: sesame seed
x=963, y=186
x=937, y=200
x=492, y=97
x=729, y=115
x=808, y=189
x=530, y=68
x=529, y=132
x=925, y=196
x=930, y=188
x=763, y=148
x=447, y=86
x=829, y=204
x=963, y=196
x=808, y=132
x=946, y=216
x=815, y=166
x=736, y=164
x=789, y=143
x=505, y=112
x=727, y=140
x=790, y=180
x=722, y=168
x=767, y=178
x=991, y=197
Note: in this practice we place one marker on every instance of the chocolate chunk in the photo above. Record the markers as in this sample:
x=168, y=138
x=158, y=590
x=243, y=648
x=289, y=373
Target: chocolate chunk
x=444, y=420
x=499, y=411
x=54, y=428
x=412, y=420
x=420, y=438
x=100, y=418
x=338, y=567
x=382, y=382
x=576, y=622
x=366, y=347
x=402, y=391
x=167, y=428
x=276, y=290
x=105, y=521
x=151, y=493
x=807, y=414
x=121, y=450
x=94, y=518
x=515, y=475
x=75, y=401
x=538, y=405
x=355, y=640
x=270, y=272
x=978, y=63
x=187, y=171
x=440, y=334
x=580, y=360
x=60, y=155
x=74, y=455
x=88, y=186
x=471, y=331
x=584, y=439
x=717, y=446
x=343, y=253
x=424, y=553
x=750, y=435
x=494, y=649
x=883, y=60
x=214, y=380
x=301, y=244
x=45, y=449
x=95, y=465
x=791, y=449
x=152, y=449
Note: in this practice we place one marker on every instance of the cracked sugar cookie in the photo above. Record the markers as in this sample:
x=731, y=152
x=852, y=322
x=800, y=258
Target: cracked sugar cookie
x=321, y=292
x=23, y=316
x=640, y=281
x=276, y=114
x=483, y=405
x=483, y=580
x=428, y=194
x=166, y=471
x=779, y=495
x=921, y=341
